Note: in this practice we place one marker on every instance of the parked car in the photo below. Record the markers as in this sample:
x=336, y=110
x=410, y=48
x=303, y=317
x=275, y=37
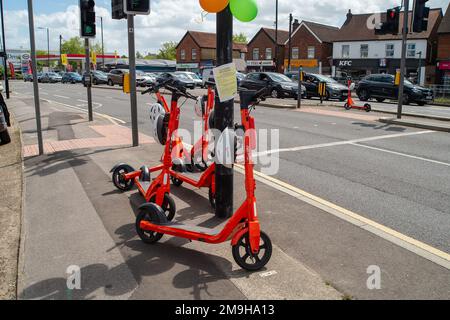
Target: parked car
x=152, y=78
x=99, y=77
x=382, y=87
x=28, y=77
x=50, y=77
x=281, y=86
x=142, y=79
x=39, y=76
x=240, y=76
x=71, y=77
x=181, y=79
x=115, y=76
x=193, y=76
x=334, y=89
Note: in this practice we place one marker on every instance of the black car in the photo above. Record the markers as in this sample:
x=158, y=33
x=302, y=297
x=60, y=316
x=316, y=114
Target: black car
x=334, y=89
x=179, y=79
x=98, y=77
x=281, y=86
x=71, y=77
x=382, y=87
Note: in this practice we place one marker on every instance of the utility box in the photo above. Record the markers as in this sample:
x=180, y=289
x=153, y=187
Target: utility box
x=126, y=83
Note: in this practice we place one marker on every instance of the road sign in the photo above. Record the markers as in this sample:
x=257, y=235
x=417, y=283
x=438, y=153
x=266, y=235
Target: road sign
x=64, y=60
x=94, y=58
x=141, y=7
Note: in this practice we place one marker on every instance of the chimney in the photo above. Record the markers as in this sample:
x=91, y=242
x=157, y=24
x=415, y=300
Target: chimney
x=349, y=16
x=295, y=25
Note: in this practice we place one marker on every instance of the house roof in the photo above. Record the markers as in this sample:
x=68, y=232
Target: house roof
x=207, y=40
x=323, y=32
x=283, y=35
x=445, y=24
x=356, y=29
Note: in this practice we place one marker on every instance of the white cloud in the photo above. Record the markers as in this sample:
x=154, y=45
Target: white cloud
x=170, y=19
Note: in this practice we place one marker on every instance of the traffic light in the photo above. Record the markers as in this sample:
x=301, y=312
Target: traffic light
x=420, y=17
x=392, y=23
x=87, y=10
x=137, y=7
x=117, y=10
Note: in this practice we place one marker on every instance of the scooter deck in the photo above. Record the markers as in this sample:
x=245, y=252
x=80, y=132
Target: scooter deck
x=187, y=227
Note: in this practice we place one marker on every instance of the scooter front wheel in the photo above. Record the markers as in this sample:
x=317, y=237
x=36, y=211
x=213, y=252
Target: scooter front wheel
x=119, y=180
x=176, y=182
x=150, y=215
x=244, y=257
x=367, y=107
x=347, y=106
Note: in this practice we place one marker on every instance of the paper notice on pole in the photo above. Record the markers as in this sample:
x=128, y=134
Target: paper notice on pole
x=226, y=81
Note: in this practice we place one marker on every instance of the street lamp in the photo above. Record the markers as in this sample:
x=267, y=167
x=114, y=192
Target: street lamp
x=48, y=45
x=103, y=46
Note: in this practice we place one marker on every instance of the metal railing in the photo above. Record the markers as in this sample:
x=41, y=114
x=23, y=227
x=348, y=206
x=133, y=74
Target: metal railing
x=441, y=93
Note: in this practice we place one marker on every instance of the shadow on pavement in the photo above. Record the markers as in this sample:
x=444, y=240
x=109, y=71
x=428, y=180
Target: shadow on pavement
x=385, y=127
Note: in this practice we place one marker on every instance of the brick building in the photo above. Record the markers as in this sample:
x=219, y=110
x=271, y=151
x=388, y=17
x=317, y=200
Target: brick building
x=262, y=48
x=443, y=52
x=358, y=51
x=311, y=47
x=197, y=50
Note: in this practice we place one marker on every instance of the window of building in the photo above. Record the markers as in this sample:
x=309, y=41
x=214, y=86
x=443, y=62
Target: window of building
x=390, y=50
x=183, y=54
x=256, y=54
x=194, y=54
x=311, y=52
x=364, y=51
x=295, y=53
x=346, y=51
x=268, y=53
x=411, y=50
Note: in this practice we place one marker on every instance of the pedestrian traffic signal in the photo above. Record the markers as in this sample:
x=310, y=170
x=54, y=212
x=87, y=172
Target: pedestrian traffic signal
x=117, y=10
x=87, y=15
x=420, y=16
x=137, y=7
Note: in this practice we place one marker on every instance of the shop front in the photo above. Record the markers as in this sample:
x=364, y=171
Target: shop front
x=359, y=68
x=260, y=66
x=444, y=72
x=190, y=67
x=308, y=65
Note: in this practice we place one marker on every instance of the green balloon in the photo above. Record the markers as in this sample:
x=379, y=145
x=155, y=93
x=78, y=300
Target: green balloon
x=244, y=10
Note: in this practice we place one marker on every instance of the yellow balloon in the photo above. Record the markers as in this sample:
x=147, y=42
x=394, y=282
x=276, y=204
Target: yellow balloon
x=214, y=6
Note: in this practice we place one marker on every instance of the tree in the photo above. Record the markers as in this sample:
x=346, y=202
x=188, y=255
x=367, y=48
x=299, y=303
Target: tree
x=168, y=51
x=75, y=45
x=139, y=55
x=240, y=38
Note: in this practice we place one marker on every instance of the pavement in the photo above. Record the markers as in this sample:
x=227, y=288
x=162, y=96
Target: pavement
x=350, y=195
x=10, y=211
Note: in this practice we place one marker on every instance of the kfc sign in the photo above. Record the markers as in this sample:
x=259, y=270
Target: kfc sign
x=345, y=63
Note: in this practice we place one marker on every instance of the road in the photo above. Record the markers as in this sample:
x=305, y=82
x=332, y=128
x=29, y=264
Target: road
x=395, y=176
x=399, y=178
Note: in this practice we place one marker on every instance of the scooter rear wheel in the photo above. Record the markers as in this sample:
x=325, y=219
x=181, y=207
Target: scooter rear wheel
x=149, y=237
x=119, y=180
x=176, y=182
x=168, y=206
x=246, y=259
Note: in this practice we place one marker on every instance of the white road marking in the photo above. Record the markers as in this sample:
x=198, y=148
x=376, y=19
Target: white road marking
x=402, y=154
x=268, y=274
x=57, y=96
x=421, y=249
x=345, y=142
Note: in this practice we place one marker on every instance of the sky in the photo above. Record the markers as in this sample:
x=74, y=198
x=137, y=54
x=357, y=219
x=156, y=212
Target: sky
x=169, y=20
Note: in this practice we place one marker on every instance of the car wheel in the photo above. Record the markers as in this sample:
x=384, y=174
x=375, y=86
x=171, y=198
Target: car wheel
x=421, y=103
x=364, y=95
x=380, y=99
x=95, y=82
x=274, y=94
x=110, y=83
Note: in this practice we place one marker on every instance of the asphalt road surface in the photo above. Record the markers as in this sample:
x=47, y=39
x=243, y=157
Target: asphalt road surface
x=396, y=176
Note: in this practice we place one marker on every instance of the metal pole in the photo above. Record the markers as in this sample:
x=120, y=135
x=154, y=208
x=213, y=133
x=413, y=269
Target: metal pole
x=276, y=36
x=224, y=115
x=419, y=74
x=132, y=66
x=403, y=61
x=299, y=98
x=48, y=49
x=5, y=57
x=103, y=46
x=35, y=81
x=60, y=51
x=290, y=42
x=89, y=83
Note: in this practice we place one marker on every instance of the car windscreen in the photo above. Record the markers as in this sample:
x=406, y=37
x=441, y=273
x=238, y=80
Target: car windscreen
x=325, y=79
x=279, y=77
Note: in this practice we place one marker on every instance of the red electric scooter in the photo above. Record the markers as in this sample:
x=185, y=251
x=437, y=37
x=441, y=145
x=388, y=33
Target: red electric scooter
x=252, y=249
x=350, y=104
